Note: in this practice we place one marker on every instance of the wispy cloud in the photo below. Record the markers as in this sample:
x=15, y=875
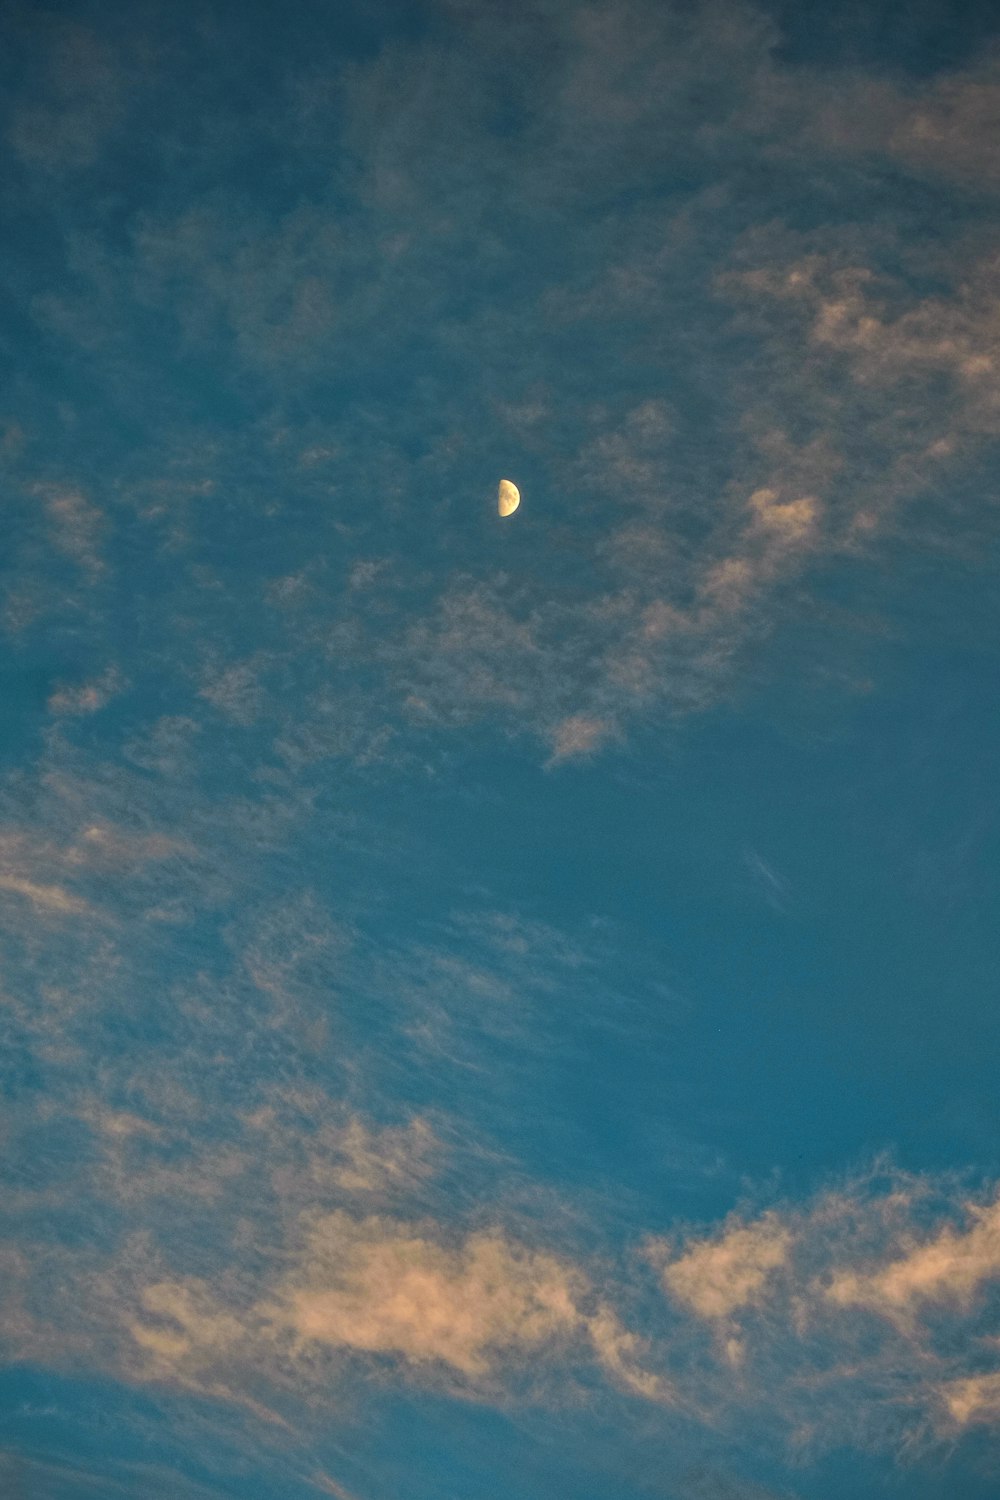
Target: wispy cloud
x=950, y=1266
x=51, y=898
x=693, y=533
x=76, y=525
x=264, y=1144
x=851, y=1314
x=86, y=697
x=719, y=1276
x=81, y=102
x=374, y=1286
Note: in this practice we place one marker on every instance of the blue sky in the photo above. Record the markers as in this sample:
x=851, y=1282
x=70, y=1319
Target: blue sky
x=499, y=1007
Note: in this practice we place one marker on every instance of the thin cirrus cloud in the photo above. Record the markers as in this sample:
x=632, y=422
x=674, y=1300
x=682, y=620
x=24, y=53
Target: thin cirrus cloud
x=950, y=1267
x=504, y=646
x=53, y=898
x=482, y=1313
x=73, y=699
x=719, y=1276
x=872, y=1298
x=263, y=1149
x=376, y=1286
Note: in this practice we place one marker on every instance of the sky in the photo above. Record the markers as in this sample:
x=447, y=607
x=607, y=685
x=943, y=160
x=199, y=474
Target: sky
x=499, y=1007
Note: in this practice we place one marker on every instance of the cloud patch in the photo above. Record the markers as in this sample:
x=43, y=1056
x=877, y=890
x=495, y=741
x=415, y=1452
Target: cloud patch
x=719, y=1276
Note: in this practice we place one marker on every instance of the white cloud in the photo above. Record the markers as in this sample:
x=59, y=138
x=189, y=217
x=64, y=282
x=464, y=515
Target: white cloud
x=479, y=1305
x=951, y=1266
x=725, y=1273
x=478, y=1310
x=378, y=1287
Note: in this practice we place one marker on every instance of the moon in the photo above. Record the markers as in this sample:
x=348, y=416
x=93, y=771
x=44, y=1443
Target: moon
x=508, y=497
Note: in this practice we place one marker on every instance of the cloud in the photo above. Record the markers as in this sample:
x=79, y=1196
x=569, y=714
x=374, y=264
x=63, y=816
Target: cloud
x=236, y=690
x=483, y=1313
x=80, y=104
x=674, y=527
x=102, y=845
x=858, y=1316
x=272, y=289
x=951, y=1266
x=194, y=1153
x=280, y=1252
x=945, y=131
x=577, y=736
x=342, y=1154
x=257, y=1144
x=166, y=746
x=377, y=1287
x=719, y=1276
x=180, y=1319
x=95, y=854
x=790, y=522
x=76, y=526
x=770, y=884
x=331, y=1486
x=45, y=898
x=711, y=1484
x=479, y=1309
x=936, y=353
x=86, y=697
x=301, y=1230
x=972, y=1401
x=374, y=1161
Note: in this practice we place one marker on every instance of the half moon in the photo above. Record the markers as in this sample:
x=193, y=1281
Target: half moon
x=508, y=498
